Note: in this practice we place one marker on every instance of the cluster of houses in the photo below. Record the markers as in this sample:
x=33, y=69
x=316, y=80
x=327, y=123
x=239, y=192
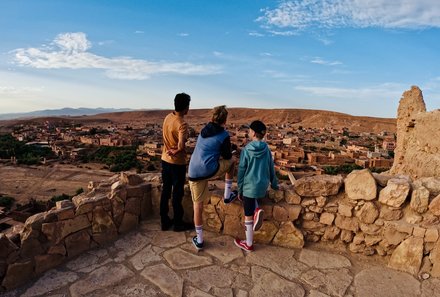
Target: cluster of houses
x=302, y=151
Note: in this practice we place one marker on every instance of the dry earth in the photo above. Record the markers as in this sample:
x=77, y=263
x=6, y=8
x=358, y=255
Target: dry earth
x=43, y=182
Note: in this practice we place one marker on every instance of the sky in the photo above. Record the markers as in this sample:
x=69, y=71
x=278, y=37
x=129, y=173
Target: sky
x=350, y=56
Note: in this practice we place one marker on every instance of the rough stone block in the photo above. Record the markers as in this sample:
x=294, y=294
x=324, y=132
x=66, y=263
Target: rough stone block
x=46, y=262
x=327, y=218
x=318, y=185
x=266, y=233
x=360, y=184
x=345, y=209
x=129, y=222
x=280, y=214
x=292, y=197
x=395, y=193
x=419, y=232
x=408, y=256
x=289, y=236
x=431, y=235
x=368, y=213
x=17, y=274
x=77, y=243
x=345, y=223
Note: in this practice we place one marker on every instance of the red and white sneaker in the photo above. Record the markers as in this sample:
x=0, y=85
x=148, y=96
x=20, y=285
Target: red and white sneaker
x=258, y=219
x=242, y=244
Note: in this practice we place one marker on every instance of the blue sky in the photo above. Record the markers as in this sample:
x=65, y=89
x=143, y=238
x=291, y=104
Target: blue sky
x=350, y=56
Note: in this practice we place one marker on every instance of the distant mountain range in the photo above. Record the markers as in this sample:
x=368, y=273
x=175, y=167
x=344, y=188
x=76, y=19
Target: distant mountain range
x=61, y=112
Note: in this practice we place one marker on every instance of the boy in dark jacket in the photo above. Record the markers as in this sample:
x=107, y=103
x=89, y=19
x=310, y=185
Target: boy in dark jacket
x=212, y=157
x=255, y=172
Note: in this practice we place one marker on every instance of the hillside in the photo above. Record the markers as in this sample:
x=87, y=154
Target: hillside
x=299, y=117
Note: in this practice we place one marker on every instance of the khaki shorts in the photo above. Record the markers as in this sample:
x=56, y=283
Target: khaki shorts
x=199, y=188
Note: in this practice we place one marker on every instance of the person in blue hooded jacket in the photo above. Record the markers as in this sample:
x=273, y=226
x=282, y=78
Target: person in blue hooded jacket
x=255, y=172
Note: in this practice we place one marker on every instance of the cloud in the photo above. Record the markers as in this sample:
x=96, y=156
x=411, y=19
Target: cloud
x=10, y=90
x=392, y=14
x=71, y=51
x=318, y=60
x=266, y=54
x=139, y=32
x=256, y=34
x=183, y=34
x=387, y=91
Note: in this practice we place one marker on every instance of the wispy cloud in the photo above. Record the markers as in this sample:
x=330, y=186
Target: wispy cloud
x=183, y=34
x=256, y=34
x=139, y=32
x=386, y=90
x=71, y=51
x=320, y=61
x=10, y=90
x=392, y=14
x=266, y=54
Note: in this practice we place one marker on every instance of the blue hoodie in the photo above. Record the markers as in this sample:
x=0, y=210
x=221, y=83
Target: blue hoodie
x=213, y=142
x=256, y=170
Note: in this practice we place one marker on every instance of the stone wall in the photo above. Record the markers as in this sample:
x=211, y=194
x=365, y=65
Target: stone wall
x=418, y=137
x=373, y=214
x=90, y=220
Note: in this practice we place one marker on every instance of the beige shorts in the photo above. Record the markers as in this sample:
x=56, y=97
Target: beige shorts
x=199, y=188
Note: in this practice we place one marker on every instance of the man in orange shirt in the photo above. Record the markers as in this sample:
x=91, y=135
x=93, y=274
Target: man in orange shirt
x=175, y=135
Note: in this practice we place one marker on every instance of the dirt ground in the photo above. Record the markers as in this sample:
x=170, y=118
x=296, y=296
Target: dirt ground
x=43, y=182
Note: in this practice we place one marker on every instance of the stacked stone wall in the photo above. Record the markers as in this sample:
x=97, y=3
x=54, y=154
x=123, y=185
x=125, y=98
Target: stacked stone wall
x=391, y=216
x=90, y=220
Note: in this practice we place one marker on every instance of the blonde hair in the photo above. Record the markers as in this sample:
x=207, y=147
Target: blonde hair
x=219, y=114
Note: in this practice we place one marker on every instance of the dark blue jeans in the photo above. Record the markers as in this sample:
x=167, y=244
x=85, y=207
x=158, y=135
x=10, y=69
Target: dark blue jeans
x=173, y=181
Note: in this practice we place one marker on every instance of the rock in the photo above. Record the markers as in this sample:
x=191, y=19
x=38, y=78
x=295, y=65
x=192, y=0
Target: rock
x=146, y=257
x=346, y=236
x=330, y=233
x=17, y=274
x=266, y=233
x=351, y=224
x=323, y=260
x=384, y=282
x=293, y=212
x=345, y=209
x=269, y=284
x=289, y=236
x=49, y=282
x=360, y=184
x=207, y=278
x=408, y=256
x=334, y=282
x=395, y=193
x=371, y=229
x=104, y=277
x=392, y=236
x=46, y=262
x=180, y=259
x=129, y=222
x=280, y=213
x=130, y=179
x=276, y=195
x=168, y=239
x=233, y=226
x=223, y=248
x=382, y=178
x=434, y=256
x=368, y=213
x=6, y=246
x=432, y=184
x=434, y=206
x=211, y=220
x=420, y=200
x=390, y=214
x=57, y=231
x=77, y=243
x=292, y=197
x=431, y=235
x=326, y=218
x=318, y=185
